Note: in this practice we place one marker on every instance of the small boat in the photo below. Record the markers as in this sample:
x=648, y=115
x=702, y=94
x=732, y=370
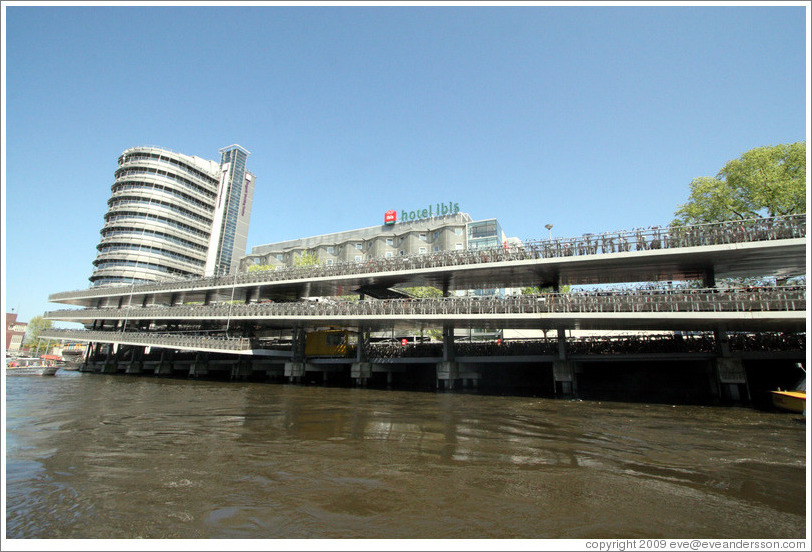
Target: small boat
x=32, y=366
x=794, y=400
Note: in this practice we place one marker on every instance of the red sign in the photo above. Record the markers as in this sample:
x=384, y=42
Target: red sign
x=390, y=217
x=404, y=341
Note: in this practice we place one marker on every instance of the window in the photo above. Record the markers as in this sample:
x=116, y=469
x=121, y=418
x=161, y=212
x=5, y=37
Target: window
x=402, y=252
x=358, y=246
x=280, y=257
x=390, y=241
x=358, y=258
x=423, y=236
x=458, y=246
x=331, y=249
x=329, y=262
x=458, y=231
x=422, y=250
x=436, y=235
x=436, y=247
x=388, y=255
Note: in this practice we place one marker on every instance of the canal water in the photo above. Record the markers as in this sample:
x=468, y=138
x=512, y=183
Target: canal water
x=121, y=457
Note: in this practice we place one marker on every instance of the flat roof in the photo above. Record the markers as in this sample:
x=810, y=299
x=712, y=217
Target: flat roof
x=234, y=146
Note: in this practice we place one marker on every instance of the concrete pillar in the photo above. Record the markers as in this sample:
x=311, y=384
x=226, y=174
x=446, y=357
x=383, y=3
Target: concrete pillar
x=164, y=366
x=298, y=345
x=200, y=365
x=361, y=372
x=448, y=343
x=469, y=375
x=448, y=372
x=564, y=378
x=93, y=350
x=295, y=371
x=722, y=341
x=110, y=365
x=732, y=379
x=241, y=368
x=562, y=344
x=362, y=344
x=137, y=361
x=83, y=367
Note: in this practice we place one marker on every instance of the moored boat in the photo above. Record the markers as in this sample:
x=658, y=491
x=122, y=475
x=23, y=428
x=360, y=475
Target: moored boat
x=793, y=400
x=32, y=367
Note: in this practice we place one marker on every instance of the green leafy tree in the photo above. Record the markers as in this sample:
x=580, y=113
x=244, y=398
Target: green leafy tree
x=261, y=268
x=36, y=326
x=535, y=290
x=307, y=258
x=422, y=291
x=767, y=181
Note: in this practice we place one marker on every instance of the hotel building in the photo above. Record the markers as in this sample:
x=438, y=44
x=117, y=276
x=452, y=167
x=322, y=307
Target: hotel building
x=172, y=215
x=454, y=231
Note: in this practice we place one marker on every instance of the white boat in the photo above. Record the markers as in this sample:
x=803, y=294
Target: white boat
x=32, y=366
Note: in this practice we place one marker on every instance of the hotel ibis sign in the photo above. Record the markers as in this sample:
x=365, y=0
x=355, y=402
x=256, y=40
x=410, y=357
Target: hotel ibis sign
x=435, y=210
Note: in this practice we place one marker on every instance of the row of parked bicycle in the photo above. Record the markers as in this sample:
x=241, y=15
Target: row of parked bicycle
x=640, y=239
x=764, y=298
x=676, y=342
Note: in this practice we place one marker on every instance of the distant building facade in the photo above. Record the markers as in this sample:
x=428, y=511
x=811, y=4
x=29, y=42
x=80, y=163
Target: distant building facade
x=172, y=215
x=455, y=231
x=410, y=237
x=15, y=332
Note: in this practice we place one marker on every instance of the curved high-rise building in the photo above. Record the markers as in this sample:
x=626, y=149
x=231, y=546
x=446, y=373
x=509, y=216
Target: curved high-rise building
x=172, y=216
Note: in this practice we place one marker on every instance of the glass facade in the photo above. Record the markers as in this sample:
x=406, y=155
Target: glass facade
x=485, y=234
x=233, y=193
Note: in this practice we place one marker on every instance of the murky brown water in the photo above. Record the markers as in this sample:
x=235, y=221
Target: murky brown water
x=92, y=456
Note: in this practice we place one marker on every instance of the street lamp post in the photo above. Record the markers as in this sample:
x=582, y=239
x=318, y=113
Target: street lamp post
x=549, y=228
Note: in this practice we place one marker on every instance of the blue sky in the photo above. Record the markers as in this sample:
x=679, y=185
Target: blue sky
x=590, y=118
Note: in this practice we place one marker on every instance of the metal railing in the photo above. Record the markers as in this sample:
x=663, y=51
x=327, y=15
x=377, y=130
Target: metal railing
x=637, y=240
x=157, y=339
x=699, y=342
x=772, y=298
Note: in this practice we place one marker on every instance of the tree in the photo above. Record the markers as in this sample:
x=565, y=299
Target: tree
x=764, y=182
x=536, y=290
x=307, y=258
x=261, y=268
x=420, y=292
x=36, y=326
